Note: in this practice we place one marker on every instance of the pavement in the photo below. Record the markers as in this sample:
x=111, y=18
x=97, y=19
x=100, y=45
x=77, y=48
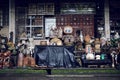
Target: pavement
x=59, y=77
x=38, y=76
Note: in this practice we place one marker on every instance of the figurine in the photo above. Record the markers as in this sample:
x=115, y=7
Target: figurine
x=89, y=51
x=117, y=35
x=79, y=46
x=81, y=36
x=55, y=41
x=97, y=45
x=23, y=35
x=68, y=38
x=60, y=32
x=87, y=39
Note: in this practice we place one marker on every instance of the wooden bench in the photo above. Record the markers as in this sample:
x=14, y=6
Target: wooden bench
x=85, y=62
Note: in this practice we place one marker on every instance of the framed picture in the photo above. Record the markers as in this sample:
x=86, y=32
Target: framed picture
x=49, y=24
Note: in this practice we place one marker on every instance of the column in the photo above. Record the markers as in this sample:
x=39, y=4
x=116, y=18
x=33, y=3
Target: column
x=107, y=19
x=12, y=20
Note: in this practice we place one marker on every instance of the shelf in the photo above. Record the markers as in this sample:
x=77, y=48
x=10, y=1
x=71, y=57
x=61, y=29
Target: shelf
x=34, y=20
x=34, y=26
x=37, y=37
x=41, y=9
x=41, y=14
x=77, y=8
x=35, y=32
x=114, y=24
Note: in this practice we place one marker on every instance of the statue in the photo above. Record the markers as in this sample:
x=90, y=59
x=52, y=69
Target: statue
x=97, y=45
x=87, y=39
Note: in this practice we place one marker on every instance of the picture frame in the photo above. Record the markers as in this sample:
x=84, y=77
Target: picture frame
x=49, y=24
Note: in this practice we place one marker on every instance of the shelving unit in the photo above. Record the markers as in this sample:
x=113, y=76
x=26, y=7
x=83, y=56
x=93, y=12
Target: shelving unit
x=99, y=20
x=115, y=25
x=1, y=18
x=78, y=8
x=21, y=13
x=114, y=17
x=41, y=9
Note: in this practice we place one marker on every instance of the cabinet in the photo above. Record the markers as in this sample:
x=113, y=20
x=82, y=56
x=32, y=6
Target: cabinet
x=4, y=16
x=35, y=19
x=31, y=19
x=34, y=27
x=84, y=22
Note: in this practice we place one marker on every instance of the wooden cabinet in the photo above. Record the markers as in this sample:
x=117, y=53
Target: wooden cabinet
x=84, y=22
x=34, y=27
x=35, y=19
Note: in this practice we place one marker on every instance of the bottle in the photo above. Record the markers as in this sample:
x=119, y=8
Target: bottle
x=81, y=36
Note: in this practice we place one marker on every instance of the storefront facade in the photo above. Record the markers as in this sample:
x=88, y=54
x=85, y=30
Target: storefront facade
x=36, y=18
x=84, y=28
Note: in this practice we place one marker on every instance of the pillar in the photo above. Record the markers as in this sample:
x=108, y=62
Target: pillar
x=107, y=19
x=12, y=20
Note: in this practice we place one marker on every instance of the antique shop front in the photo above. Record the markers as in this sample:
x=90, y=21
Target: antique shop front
x=57, y=33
